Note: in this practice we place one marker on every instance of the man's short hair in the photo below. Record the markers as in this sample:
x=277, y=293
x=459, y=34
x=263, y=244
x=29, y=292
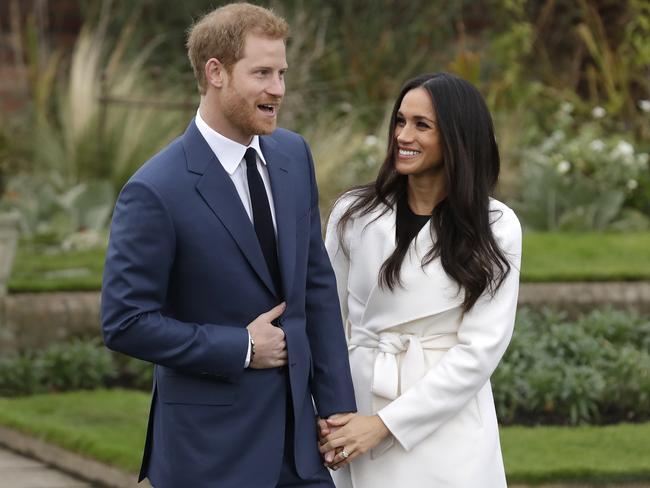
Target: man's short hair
x=221, y=34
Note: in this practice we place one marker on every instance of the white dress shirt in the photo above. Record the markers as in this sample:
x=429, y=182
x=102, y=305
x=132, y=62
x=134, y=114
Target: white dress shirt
x=231, y=156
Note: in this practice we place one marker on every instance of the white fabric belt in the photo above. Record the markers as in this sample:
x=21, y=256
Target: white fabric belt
x=388, y=379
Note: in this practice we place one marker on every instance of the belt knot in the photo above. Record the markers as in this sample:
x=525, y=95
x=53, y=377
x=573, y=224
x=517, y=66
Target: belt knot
x=389, y=379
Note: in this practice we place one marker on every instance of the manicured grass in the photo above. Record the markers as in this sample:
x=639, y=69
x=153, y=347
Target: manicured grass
x=546, y=257
x=109, y=425
x=586, y=257
x=36, y=271
x=615, y=453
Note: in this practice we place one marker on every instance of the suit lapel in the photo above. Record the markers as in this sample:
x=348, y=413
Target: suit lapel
x=219, y=193
x=285, y=208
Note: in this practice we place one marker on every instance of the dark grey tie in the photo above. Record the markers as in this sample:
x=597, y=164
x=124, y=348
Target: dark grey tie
x=262, y=219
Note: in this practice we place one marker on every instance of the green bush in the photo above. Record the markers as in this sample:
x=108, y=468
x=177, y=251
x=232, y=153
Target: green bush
x=61, y=367
x=132, y=372
x=584, y=176
x=592, y=370
x=78, y=365
x=20, y=375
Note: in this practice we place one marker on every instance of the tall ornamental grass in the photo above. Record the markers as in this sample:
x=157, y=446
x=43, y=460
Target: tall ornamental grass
x=84, y=138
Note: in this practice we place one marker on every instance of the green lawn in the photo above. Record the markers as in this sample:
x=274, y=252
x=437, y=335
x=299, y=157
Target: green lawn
x=35, y=270
x=109, y=425
x=546, y=257
x=586, y=257
x=615, y=453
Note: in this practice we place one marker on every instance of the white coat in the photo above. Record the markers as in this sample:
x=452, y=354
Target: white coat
x=418, y=362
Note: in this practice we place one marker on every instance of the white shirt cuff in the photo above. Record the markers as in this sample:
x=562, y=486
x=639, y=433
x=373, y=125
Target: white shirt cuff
x=248, y=354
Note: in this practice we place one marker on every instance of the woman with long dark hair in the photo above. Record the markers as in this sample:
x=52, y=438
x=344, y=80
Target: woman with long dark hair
x=427, y=265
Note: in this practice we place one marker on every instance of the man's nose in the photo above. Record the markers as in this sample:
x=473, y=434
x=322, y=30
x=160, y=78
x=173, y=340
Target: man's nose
x=276, y=87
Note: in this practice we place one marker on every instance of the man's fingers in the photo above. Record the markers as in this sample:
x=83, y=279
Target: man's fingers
x=329, y=456
x=339, y=420
x=322, y=427
x=332, y=444
x=274, y=313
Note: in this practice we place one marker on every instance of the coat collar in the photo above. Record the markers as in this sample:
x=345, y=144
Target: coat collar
x=425, y=291
x=219, y=193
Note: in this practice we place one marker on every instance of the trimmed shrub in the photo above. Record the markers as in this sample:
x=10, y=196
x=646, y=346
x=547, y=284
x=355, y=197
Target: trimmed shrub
x=593, y=370
x=61, y=367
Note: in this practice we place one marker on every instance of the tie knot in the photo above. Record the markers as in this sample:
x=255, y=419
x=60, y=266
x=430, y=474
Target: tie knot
x=251, y=158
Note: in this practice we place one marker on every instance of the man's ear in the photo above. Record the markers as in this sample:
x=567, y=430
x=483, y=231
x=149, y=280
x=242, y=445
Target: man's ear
x=215, y=73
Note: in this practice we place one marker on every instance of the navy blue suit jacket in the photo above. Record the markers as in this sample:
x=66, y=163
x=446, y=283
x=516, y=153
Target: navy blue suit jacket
x=184, y=275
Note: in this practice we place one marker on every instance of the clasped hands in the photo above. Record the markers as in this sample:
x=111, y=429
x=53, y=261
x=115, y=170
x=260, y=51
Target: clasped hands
x=343, y=437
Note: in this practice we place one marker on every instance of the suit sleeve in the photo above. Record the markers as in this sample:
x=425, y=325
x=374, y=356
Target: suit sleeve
x=331, y=385
x=139, y=261
x=483, y=337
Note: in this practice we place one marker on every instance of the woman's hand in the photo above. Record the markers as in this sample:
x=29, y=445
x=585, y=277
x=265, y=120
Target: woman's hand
x=324, y=430
x=354, y=435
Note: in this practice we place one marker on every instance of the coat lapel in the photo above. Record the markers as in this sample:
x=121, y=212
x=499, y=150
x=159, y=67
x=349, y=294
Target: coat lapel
x=219, y=193
x=285, y=208
x=425, y=292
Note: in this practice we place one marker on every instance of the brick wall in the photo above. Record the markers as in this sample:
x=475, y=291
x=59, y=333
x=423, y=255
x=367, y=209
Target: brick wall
x=36, y=320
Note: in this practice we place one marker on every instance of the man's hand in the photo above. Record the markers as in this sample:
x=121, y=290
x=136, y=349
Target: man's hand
x=324, y=429
x=270, y=346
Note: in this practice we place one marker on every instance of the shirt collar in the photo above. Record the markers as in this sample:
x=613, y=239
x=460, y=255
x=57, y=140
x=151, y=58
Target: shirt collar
x=229, y=153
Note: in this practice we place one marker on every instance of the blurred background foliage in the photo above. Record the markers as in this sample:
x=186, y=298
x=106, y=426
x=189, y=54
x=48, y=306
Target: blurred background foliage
x=568, y=84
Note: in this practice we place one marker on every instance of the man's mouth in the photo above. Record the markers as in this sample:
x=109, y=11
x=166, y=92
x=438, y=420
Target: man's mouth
x=268, y=108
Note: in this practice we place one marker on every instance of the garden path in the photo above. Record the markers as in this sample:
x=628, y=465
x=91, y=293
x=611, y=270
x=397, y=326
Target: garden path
x=17, y=471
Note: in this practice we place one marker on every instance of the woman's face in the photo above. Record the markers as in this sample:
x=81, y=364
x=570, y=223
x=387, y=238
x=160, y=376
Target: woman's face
x=419, y=147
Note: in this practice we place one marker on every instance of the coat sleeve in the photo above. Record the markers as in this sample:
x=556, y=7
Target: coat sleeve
x=139, y=261
x=483, y=337
x=331, y=385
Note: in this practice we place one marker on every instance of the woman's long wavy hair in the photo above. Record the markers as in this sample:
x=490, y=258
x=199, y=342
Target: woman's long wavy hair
x=460, y=223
